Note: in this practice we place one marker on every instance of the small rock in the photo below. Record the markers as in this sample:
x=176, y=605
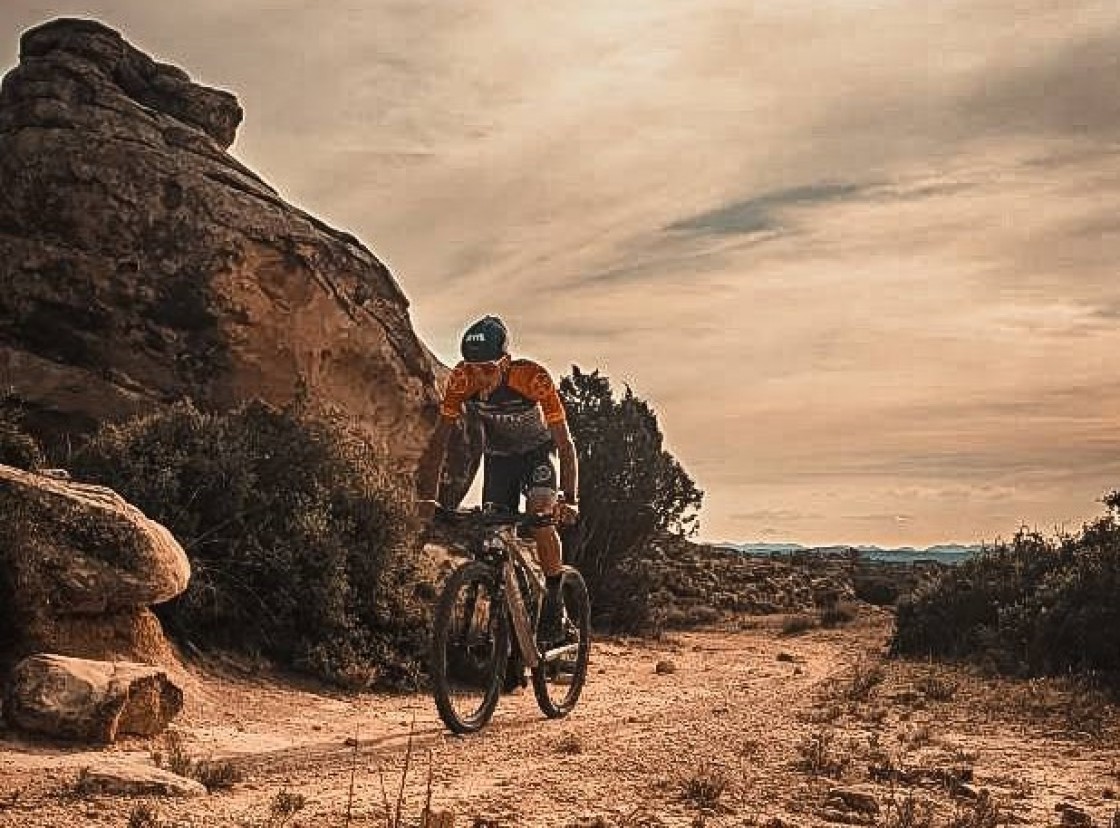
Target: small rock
x=1073, y=816
x=133, y=779
x=854, y=799
x=350, y=742
x=784, y=656
x=664, y=667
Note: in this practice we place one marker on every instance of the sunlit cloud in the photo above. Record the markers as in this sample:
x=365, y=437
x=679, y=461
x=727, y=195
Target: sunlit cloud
x=859, y=255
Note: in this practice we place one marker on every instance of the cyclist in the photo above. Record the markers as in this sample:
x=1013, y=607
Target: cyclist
x=524, y=427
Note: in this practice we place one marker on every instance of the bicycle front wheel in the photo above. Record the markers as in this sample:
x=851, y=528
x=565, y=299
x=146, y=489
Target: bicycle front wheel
x=560, y=674
x=470, y=645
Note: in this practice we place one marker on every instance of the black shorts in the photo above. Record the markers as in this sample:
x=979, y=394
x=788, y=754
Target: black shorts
x=506, y=477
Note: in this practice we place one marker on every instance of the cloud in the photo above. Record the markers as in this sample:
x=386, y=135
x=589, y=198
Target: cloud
x=1070, y=91
x=764, y=213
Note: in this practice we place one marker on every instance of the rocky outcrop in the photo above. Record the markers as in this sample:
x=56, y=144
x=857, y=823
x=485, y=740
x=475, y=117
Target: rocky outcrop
x=79, y=567
x=89, y=701
x=140, y=263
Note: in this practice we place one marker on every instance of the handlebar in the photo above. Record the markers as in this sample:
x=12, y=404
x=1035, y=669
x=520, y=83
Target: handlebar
x=483, y=517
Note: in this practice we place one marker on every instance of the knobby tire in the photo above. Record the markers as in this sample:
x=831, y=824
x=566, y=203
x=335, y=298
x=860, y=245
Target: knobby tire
x=444, y=642
x=577, y=604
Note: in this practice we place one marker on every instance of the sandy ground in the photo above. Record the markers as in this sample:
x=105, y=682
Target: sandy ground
x=748, y=727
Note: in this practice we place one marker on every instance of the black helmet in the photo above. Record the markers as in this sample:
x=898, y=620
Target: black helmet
x=484, y=341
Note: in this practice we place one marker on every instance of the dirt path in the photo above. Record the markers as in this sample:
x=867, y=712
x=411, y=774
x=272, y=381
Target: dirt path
x=750, y=728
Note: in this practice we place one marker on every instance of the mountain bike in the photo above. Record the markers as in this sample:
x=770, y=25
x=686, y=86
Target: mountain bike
x=482, y=602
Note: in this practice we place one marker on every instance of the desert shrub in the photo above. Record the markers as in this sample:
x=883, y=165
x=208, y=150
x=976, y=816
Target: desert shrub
x=631, y=489
x=1031, y=606
x=296, y=536
x=17, y=447
x=797, y=624
x=881, y=591
x=837, y=614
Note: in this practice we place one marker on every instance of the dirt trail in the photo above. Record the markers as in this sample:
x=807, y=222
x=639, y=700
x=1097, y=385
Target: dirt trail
x=742, y=707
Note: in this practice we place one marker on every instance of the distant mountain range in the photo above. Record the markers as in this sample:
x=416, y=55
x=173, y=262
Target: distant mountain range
x=948, y=552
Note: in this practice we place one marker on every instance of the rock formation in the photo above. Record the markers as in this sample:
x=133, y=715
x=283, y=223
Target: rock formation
x=90, y=701
x=79, y=567
x=140, y=263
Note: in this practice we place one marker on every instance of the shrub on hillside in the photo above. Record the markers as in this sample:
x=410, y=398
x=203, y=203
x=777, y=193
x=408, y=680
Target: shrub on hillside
x=17, y=447
x=1034, y=606
x=295, y=535
x=631, y=488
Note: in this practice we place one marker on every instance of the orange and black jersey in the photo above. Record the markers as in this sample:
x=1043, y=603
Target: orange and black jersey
x=517, y=415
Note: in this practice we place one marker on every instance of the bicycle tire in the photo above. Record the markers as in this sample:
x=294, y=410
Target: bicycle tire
x=458, y=647
x=547, y=674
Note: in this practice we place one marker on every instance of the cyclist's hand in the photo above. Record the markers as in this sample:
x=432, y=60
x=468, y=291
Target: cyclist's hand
x=426, y=509
x=567, y=513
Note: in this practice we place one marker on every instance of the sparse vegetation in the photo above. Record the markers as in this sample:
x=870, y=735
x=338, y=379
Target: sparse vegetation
x=285, y=805
x=818, y=755
x=937, y=687
x=215, y=775
x=17, y=447
x=835, y=614
x=865, y=677
x=704, y=788
x=143, y=815
x=981, y=812
x=296, y=536
x=1032, y=606
x=569, y=744
x=797, y=624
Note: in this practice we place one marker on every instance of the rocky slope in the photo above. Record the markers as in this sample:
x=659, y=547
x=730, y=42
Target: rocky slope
x=141, y=263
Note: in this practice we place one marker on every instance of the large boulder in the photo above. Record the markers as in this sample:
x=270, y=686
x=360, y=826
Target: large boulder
x=89, y=701
x=141, y=263
x=79, y=567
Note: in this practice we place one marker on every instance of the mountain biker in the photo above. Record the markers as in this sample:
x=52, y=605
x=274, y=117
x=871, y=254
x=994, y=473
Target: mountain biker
x=524, y=426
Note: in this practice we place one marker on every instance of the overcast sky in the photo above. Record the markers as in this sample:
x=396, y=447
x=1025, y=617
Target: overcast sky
x=861, y=256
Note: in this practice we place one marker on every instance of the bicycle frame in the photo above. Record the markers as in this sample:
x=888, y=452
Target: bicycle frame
x=502, y=539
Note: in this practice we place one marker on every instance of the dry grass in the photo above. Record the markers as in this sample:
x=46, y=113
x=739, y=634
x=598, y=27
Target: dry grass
x=569, y=744
x=215, y=775
x=818, y=755
x=797, y=624
x=705, y=787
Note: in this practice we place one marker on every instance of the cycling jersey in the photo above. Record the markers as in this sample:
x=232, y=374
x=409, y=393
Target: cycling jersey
x=516, y=416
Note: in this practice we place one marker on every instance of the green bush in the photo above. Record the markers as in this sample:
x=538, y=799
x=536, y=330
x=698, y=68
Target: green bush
x=296, y=537
x=631, y=488
x=1033, y=606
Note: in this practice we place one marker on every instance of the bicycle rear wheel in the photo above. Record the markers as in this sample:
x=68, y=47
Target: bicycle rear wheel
x=470, y=645
x=559, y=676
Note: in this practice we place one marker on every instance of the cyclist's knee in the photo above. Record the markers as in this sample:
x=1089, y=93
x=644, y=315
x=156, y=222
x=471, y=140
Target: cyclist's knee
x=540, y=501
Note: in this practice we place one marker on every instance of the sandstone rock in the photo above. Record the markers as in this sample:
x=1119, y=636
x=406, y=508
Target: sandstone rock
x=89, y=701
x=665, y=667
x=140, y=263
x=95, y=551
x=133, y=779
x=83, y=565
x=853, y=799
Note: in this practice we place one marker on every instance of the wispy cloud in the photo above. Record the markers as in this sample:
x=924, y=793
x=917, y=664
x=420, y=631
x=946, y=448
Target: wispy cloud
x=891, y=291
x=765, y=213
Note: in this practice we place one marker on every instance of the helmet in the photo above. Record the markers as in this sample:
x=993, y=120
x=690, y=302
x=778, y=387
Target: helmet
x=484, y=341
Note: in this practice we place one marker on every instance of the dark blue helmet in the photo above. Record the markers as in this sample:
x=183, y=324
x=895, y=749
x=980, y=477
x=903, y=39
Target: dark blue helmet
x=484, y=341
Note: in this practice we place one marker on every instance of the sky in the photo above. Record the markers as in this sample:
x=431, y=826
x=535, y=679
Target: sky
x=860, y=255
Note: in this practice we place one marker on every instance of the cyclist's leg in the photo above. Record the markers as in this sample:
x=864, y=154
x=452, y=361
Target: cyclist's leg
x=540, y=485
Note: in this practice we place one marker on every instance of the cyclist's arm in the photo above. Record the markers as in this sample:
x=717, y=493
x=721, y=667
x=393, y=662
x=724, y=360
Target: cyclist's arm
x=430, y=468
x=569, y=467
